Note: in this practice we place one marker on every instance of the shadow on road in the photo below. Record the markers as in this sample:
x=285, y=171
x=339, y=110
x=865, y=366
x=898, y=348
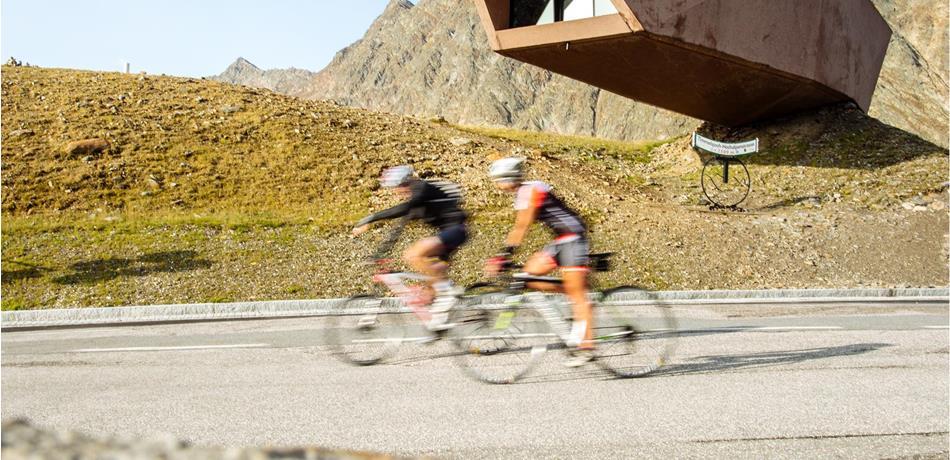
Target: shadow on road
x=93, y=271
x=706, y=364
x=712, y=364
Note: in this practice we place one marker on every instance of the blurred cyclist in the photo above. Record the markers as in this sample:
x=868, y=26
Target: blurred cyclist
x=439, y=205
x=569, y=250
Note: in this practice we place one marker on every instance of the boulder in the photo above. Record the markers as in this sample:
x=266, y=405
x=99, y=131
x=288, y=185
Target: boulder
x=460, y=141
x=86, y=147
x=22, y=133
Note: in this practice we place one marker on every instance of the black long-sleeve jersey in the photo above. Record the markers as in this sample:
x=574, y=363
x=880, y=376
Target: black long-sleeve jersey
x=436, y=203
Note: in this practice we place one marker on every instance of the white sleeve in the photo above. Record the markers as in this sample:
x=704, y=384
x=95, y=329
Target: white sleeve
x=523, y=197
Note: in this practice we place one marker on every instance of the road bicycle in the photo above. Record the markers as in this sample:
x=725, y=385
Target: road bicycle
x=369, y=328
x=503, y=329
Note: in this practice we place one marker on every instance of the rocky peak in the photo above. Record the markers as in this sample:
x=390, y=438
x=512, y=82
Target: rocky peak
x=397, y=5
x=242, y=64
x=290, y=81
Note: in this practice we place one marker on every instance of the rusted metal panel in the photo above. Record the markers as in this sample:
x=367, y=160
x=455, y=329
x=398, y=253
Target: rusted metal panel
x=669, y=75
x=839, y=43
x=494, y=17
x=727, y=61
x=600, y=27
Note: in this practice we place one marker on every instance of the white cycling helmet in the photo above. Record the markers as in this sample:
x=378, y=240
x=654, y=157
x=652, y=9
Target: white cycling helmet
x=507, y=169
x=396, y=176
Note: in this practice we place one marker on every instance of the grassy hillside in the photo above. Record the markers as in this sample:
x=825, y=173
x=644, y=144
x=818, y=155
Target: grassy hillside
x=212, y=192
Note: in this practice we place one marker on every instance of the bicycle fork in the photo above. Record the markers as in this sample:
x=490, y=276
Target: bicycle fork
x=412, y=296
x=549, y=313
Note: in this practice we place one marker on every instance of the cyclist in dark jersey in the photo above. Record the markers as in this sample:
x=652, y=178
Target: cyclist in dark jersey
x=569, y=251
x=439, y=205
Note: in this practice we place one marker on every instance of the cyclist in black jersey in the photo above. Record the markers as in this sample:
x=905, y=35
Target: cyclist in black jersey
x=535, y=201
x=439, y=205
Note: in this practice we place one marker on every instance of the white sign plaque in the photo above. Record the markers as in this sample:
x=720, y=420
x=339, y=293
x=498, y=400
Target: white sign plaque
x=725, y=149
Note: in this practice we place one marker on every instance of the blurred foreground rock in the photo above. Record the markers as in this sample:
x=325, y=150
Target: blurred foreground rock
x=21, y=440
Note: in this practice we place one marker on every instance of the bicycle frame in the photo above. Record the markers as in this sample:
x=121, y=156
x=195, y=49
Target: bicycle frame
x=548, y=308
x=410, y=295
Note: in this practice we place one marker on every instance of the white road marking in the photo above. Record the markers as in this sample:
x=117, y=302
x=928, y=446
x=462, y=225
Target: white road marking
x=187, y=347
x=467, y=337
x=795, y=328
x=936, y=327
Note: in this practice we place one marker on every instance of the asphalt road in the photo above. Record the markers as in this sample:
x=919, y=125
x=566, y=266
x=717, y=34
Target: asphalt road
x=747, y=382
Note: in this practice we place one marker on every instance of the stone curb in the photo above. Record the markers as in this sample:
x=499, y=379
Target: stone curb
x=12, y=320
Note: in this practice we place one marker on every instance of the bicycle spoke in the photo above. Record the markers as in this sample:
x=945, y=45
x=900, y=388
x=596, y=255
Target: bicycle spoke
x=365, y=330
x=634, y=337
x=498, y=345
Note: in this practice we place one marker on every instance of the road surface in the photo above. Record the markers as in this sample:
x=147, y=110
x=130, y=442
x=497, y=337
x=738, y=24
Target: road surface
x=826, y=381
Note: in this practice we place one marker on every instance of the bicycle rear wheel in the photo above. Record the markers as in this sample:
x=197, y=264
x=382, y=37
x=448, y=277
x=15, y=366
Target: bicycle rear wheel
x=366, y=329
x=635, y=332
x=499, y=341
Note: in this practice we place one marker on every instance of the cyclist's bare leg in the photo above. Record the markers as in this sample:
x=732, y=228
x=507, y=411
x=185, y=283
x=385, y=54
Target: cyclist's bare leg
x=541, y=264
x=575, y=286
x=423, y=257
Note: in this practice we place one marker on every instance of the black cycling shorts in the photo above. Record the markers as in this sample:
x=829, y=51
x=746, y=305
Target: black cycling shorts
x=570, y=252
x=452, y=238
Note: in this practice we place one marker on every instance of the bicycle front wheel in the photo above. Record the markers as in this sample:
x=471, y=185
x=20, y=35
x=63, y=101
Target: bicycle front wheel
x=498, y=340
x=635, y=333
x=366, y=329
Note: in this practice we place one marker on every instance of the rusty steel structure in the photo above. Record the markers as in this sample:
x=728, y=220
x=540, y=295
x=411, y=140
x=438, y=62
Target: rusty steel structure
x=731, y=62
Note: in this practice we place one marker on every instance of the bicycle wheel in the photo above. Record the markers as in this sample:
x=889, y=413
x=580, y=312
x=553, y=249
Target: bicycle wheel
x=366, y=329
x=635, y=333
x=499, y=340
x=725, y=181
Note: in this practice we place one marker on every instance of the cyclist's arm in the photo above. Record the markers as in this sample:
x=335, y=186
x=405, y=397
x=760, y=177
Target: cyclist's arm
x=400, y=210
x=527, y=212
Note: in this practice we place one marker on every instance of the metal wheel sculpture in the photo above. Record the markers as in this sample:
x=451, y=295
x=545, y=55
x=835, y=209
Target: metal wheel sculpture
x=726, y=181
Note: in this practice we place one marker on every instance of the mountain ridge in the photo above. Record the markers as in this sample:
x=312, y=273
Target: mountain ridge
x=290, y=81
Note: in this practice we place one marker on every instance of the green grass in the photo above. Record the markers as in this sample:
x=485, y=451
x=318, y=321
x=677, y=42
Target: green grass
x=294, y=289
x=16, y=303
x=219, y=298
x=130, y=224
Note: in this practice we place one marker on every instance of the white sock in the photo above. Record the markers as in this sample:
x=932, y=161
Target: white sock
x=578, y=328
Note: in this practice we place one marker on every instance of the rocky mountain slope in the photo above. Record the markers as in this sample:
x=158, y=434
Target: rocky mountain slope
x=432, y=59
x=286, y=81
x=912, y=91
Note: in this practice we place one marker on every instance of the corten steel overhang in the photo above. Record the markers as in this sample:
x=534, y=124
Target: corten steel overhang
x=727, y=61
